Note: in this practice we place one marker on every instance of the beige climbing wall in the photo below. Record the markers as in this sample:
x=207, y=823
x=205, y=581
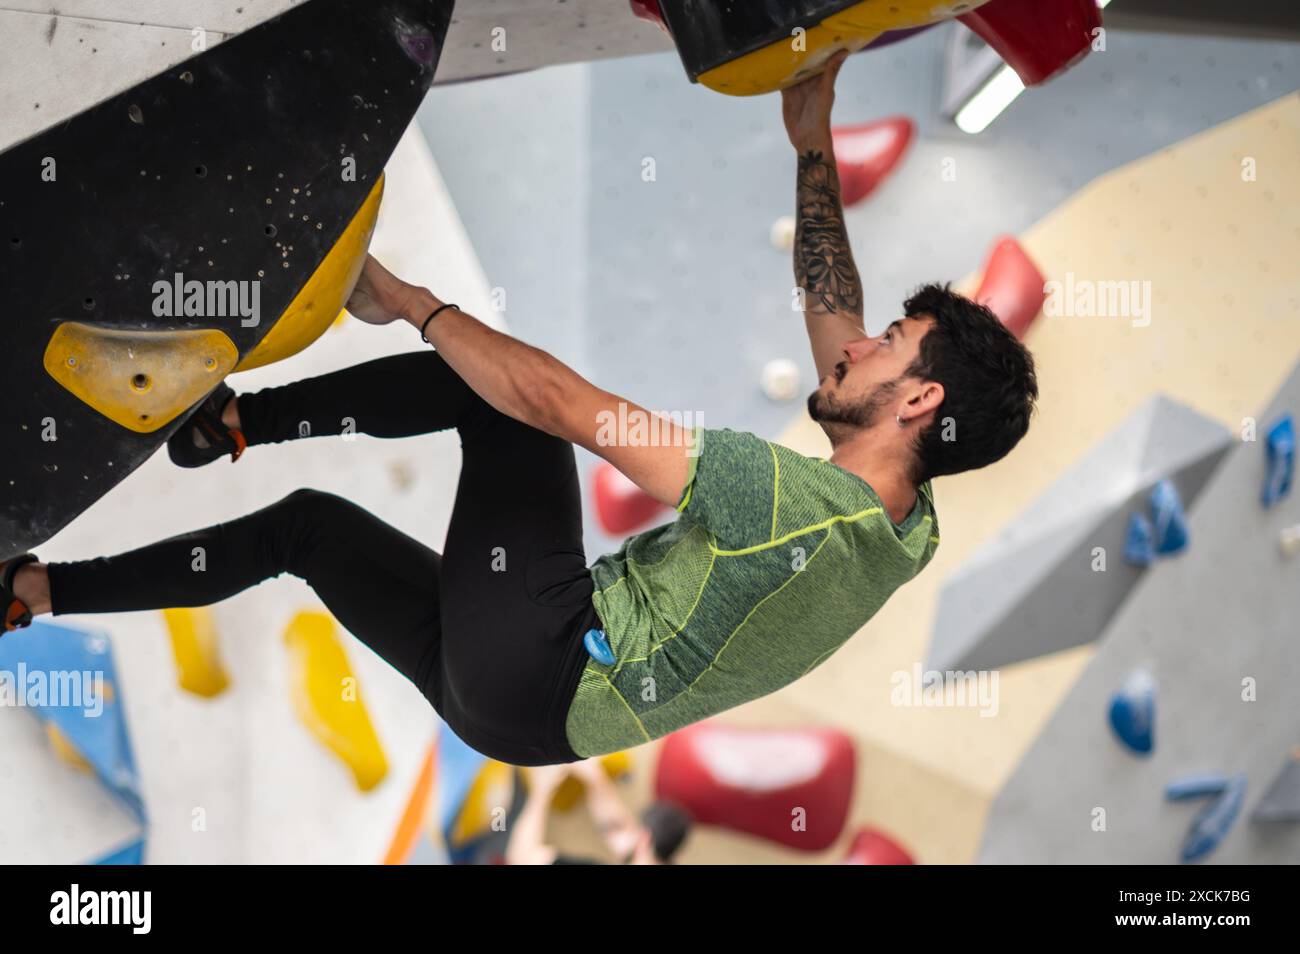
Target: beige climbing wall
x=1220, y=252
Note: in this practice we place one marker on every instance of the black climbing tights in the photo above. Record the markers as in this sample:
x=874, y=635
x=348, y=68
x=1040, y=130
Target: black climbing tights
x=497, y=649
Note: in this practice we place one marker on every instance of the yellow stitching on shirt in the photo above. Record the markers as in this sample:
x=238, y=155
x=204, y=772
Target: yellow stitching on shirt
x=621, y=579
x=626, y=705
x=723, y=648
x=798, y=533
x=819, y=660
x=776, y=488
x=691, y=612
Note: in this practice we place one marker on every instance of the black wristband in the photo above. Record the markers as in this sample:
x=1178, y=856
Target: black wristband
x=433, y=315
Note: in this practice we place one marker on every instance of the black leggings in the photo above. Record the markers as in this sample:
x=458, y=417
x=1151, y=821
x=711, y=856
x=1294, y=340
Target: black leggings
x=490, y=631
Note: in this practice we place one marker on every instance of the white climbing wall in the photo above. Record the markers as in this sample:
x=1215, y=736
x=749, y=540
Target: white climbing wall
x=58, y=57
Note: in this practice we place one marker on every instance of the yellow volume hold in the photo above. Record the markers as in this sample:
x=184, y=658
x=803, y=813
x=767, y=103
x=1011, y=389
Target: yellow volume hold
x=320, y=301
x=795, y=58
x=196, y=650
x=327, y=697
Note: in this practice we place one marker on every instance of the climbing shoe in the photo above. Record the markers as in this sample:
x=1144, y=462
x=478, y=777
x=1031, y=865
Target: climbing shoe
x=16, y=613
x=203, y=437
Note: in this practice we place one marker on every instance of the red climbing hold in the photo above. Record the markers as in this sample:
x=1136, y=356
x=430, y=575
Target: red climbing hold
x=791, y=786
x=649, y=10
x=1012, y=287
x=873, y=847
x=1038, y=39
x=621, y=506
x=868, y=152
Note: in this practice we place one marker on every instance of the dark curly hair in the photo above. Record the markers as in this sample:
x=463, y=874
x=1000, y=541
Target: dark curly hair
x=668, y=824
x=988, y=382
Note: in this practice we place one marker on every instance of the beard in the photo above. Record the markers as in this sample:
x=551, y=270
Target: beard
x=857, y=413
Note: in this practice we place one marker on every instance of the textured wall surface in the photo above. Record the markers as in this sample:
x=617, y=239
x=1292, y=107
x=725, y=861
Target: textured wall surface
x=1216, y=626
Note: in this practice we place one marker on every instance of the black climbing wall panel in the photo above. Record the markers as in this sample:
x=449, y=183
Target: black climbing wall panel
x=709, y=33
x=174, y=175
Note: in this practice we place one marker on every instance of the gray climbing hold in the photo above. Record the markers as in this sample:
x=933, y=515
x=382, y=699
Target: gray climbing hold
x=1281, y=801
x=1033, y=589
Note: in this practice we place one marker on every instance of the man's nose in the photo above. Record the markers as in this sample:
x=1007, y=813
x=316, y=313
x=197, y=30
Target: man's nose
x=857, y=350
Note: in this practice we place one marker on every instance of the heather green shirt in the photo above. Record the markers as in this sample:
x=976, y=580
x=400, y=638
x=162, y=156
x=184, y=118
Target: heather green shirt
x=775, y=561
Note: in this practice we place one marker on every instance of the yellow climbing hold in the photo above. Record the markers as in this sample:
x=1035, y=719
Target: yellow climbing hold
x=320, y=301
x=572, y=790
x=196, y=650
x=795, y=58
x=328, y=698
x=139, y=379
x=486, y=803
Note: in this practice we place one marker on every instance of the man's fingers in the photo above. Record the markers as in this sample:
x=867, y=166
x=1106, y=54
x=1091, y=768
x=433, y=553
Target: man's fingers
x=833, y=68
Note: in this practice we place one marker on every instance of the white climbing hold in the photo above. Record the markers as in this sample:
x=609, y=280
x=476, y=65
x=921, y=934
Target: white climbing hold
x=1290, y=540
x=780, y=379
x=782, y=234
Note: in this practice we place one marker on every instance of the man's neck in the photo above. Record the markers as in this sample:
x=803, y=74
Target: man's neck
x=881, y=464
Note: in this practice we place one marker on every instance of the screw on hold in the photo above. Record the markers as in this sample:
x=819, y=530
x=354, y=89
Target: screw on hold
x=187, y=77
x=136, y=114
x=72, y=362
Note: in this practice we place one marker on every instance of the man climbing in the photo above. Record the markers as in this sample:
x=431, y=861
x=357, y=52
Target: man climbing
x=775, y=560
x=652, y=839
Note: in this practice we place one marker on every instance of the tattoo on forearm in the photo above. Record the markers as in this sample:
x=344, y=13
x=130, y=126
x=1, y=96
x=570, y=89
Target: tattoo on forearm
x=823, y=261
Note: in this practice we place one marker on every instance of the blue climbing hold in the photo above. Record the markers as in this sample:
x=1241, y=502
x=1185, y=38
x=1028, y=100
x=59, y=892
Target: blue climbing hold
x=598, y=647
x=129, y=854
x=1280, y=447
x=1196, y=786
x=1215, y=820
x=1133, y=712
x=88, y=708
x=1140, y=544
x=1170, y=525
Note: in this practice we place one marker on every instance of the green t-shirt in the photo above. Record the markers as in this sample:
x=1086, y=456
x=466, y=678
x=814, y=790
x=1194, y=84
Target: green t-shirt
x=776, y=560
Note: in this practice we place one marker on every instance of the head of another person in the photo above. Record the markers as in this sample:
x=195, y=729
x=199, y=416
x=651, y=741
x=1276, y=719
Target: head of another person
x=948, y=381
x=663, y=829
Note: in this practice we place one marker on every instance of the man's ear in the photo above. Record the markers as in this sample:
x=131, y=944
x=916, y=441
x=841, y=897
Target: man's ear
x=926, y=399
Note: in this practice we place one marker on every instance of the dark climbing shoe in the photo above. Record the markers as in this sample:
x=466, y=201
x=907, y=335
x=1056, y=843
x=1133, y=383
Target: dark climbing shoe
x=203, y=437
x=16, y=613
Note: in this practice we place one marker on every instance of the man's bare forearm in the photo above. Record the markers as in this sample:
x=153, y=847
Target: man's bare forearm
x=823, y=260
x=517, y=379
